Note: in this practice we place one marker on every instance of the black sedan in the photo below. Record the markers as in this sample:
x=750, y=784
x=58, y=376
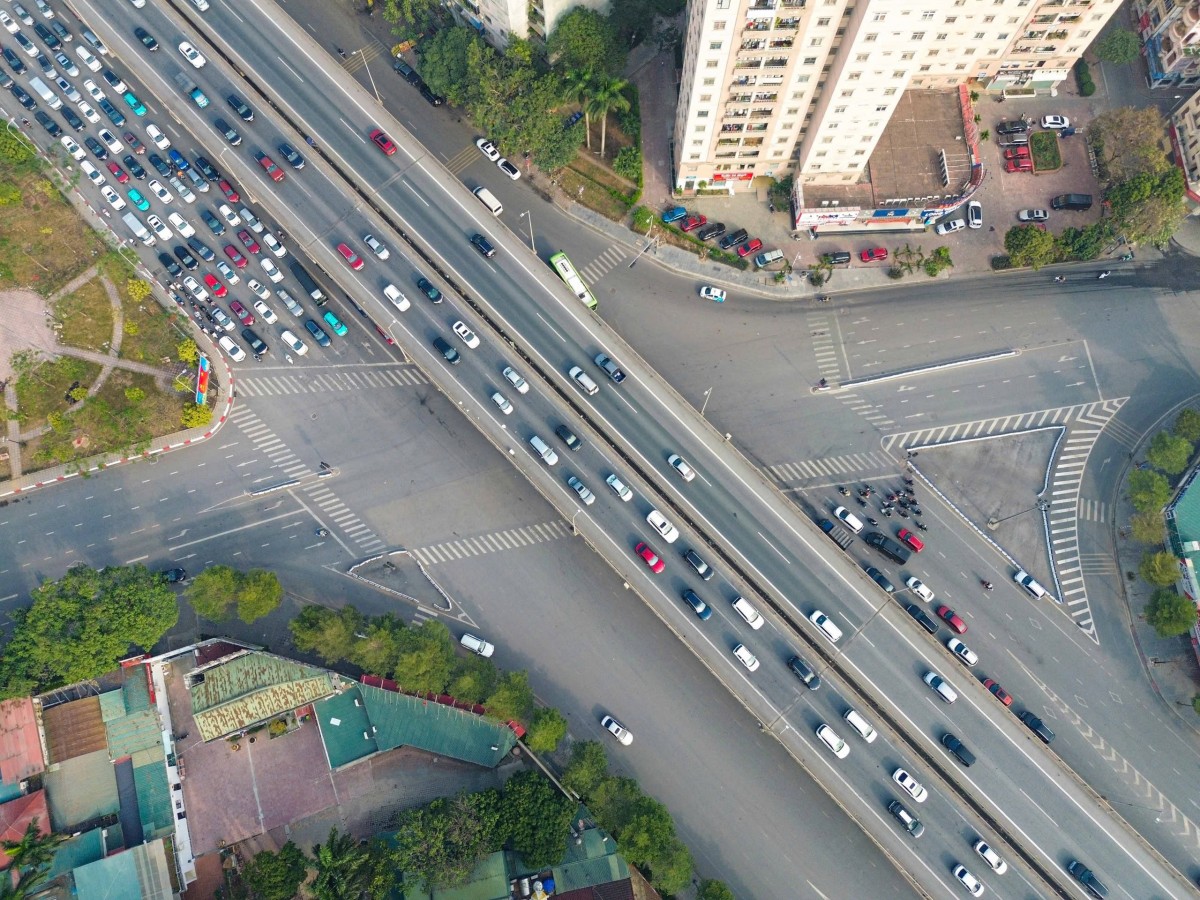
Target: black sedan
x=430, y=291
x=240, y=107
x=146, y=38
x=711, y=230
x=189, y=261
x=288, y=152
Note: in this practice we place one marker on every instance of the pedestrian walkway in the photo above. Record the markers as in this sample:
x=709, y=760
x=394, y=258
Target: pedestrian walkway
x=795, y=476
x=285, y=381
x=496, y=542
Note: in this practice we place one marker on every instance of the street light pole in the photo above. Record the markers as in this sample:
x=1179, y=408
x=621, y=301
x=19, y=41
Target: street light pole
x=704, y=405
x=577, y=512
x=527, y=215
x=1042, y=505
x=374, y=90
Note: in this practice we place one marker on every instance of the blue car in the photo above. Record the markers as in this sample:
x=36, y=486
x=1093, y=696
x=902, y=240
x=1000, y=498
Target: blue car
x=674, y=215
x=177, y=158
x=698, y=606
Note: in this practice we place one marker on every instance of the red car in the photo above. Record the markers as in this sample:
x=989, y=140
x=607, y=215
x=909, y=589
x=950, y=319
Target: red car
x=691, y=223
x=269, y=166
x=248, y=239
x=1017, y=153
x=874, y=255
x=214, y=285
x=353, y=260
x=751, y=246
x=1001, y=694
x=383, y=142
x=647, y=553
x=241, y=312
x=227, y=189
x=134, y=144
x=951, y=618
x=1018, y=165
x=120, y=174
x=237, y=258
x=911, y=539
x=383, y=334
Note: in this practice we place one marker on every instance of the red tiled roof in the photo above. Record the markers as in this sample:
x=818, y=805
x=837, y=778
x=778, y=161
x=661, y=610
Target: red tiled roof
x=16, y=815
x=20, y=746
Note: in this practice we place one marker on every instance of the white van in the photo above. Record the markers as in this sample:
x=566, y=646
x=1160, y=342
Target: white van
x=765, y=259
x=581, y=378
x=138, y=228
x=549, y=457
x=45, y=93
x=859, y=724
x=489, y=200
x=477, y=645
x=938, y=683
x=851, y=521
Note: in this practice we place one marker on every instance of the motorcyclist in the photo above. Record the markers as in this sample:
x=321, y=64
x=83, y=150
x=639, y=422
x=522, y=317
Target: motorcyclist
x=1105, y=273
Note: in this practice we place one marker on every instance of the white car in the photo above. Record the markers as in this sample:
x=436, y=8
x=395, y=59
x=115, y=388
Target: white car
x=376, y=247
x=94, y=175
x=252, y=220
x=261, y=291
x=73, y=148
x=829, y=737
x=161, y=141
x=68, y=89
x=920, y=588
x=477, y=645
x=975, y=214
x=90, y=61
x=748, y=612
x=88, y=113
x=228, y=272
x=110, y=141
x=715, y=294
x=660, y=524
x=617, y=730
x=271, y=269
x=513, y=377
x=969, y=881
x=230, y=217
x=503, y=404
x=826, y=625
x=236, y=353
x=184, y=192
x=195, y=289
x=273, y=245
x=950, y=227
x=113, y=198
x=990, y=857
x=962, y=651
x=192, y=55
x=298, y=346
x=573, y=483
x=466, y=335
x=487, y=148
x=680, y=465
x=1033, y=215
x=911, y=786
x=159, y=191
x=156, y=225
x=265, y=312
x=508, y=168
x=181, y=225
x=44, y=9
x=619, y=488
x=9, y=23
x=1056, y=122
x=396, y=297
x=94, y=91
x=745, y=657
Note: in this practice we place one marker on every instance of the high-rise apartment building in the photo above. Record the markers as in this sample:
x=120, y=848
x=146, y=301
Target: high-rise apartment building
x=499, y=20
x=772, y=87
x=1170, y=31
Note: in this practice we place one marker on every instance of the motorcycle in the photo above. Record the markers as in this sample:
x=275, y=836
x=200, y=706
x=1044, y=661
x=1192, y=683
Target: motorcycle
x=1104, y=274
x=322, y=532
x=1127, y=257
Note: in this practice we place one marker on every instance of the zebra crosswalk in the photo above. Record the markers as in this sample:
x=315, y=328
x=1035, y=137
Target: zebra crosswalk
x=495, y=542
x=603, y=264
x=788, y=474
x=329, y=380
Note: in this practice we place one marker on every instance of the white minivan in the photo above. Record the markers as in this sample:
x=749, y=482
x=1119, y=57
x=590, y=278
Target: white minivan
x=851, y=521
x=549, y=457
x=859, y=724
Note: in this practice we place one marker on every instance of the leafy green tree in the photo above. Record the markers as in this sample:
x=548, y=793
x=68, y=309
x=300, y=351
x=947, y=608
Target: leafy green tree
x=442, y=843
x=412, y=17
x=326, y=632
x=546, y=729
x=1149, y=206
x=426, y=653
x=1187, y=425
x=378, y=651
x=512, y=699
x=1119, y=47
x=1086, y=243
x=1127, y=141
x=613, y=802
x=259, y=594
x=1148, y=491
x=671, y=867
x=346, y=870
x=1170, y=614
x=1147, y=527
x=607, y=96
x=193, y=416
x=535, y=817
x=1169, y=453
x=472, y=679
x=213, y=592
x=711, y=889
x=1028, y=245
x=587, y=769
x=585, y=39
x=444, y=63
x=648, y=828
x=276, y=876
x=1159, y=569
x=81, y=625
x=628, y=164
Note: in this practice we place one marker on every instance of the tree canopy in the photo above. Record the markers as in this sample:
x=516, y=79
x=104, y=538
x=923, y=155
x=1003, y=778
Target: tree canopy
x=586, y=39
x=276, y=876
x=1170, y=614
x=1148, y=491
x=442, y=843
x=346, y=869
x=81, y=625
x=1119, y=47
x=1169, y=453
x=1187, y=425
x=535, y=817
x=1028, y=245
x=1159, y=569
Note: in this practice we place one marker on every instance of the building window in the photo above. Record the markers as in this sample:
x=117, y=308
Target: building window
x=714, y=45
x=702, y=114
x=709, y=82
x=881, y=109
x=815, y=42
x=898, y=74
x=695, y=156
x=801, y=79
x=950, y=20
x=941, y=38
x=859, y=152
x=932, y=53
x=924, y=69
x=823, y=23
x=810, y=60
x=854, y=76
x=961, y=67
x=862, y=57
x=927, y=15
x=710, y=64
x=700, y=129
x=907, y=55
x=870, y=37
x=889, y=92
x=821, y=154
x=697, y=143
x=918, y=36
x=839, y=110
x=718, y=26
x=979, y=35
x=878, y=17
x=723, y=4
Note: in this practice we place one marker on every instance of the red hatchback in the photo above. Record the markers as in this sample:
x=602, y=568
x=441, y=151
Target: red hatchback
x=248, y=239
x=353, y=260
x=911, y=539
x=874, y=255
x=647, y=553
x=1001, y=694
x=214, y=285
x=237, y=258
x=751, y=246
x=1018, y=165
x=241, y=312
x=227, y=189
x=120, y=174
x=951, y=618
x=383, y=142
x=691, y=223
x=269, y=166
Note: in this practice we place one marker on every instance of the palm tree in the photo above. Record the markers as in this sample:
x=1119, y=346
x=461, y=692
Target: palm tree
x=608, y=95
x=346, y=869
x=578, y=84
x=33, y=853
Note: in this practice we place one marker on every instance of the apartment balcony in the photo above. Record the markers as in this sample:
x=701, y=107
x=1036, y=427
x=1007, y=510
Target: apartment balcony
x=737, y=113
x=794, y=4
x=752, y=142
x=729, y=142
x=766, y=98
x=744, y=81
x=728, y=154
x=740, y=98
x=761, y=9
x=757, y=126
x=749, y=154
x=782, y=44
x=754, y=45
x=776, y=62
x=757, y=26
x=762, y=113
x=1057, y=36
x=732, y=129
x=748, y=64
x=787, y=24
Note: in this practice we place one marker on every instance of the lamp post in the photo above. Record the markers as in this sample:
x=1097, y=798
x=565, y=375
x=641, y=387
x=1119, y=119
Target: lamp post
x=1042, y=504
x=577, y=512
x=529, y=217
x=374, y=90
x=704, y=405
x=651, y=241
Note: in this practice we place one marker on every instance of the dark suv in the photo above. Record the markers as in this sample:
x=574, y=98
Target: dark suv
x=568, y=437
x=228, y=131
x=836, y=258
x=447, y=351
x=405, y=71
x=239, y=106
x=802, y=671
x=483, y=246
x=1088, y=879
x=923, y=620
x=1016, y=126
x=955, y=746
x=734, y=238
x=711, y=230
x=911, y=824
x=1037, y=726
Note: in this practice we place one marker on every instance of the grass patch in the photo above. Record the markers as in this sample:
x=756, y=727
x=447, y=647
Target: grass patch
x=149, y=335
x=1043, y=146
x=602, y=175
x=594, y=195
x=87, y=317
x=42, y=386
